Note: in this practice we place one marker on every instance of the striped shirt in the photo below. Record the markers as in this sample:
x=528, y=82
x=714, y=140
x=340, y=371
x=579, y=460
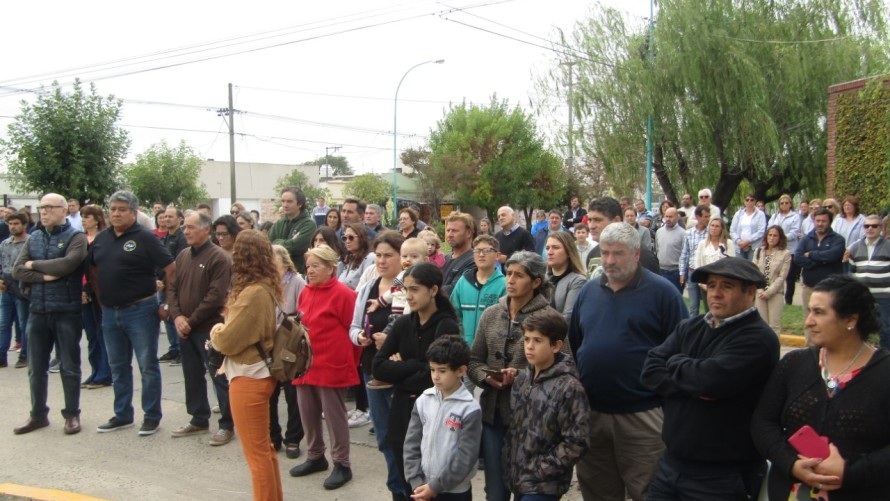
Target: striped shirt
x=870, y=264
x=690, y=243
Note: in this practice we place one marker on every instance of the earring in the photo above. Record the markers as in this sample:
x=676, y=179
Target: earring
x=849, y=327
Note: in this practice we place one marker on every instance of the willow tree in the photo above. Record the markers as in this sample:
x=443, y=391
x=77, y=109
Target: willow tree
x=737, y=90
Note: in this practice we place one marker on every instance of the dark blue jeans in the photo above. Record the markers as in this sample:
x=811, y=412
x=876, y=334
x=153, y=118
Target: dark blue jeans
x=128, y=330
x=492, y=445
x=170, y=327
x=13, y=311
x=884, y=313
x=696, y=296
x=380, y=402
x=537, y=497
x=194, y=366
x=97, y=355
x=45, y=331
x=673, y=276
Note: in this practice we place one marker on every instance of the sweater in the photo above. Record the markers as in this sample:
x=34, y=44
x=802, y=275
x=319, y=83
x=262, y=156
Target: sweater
x=874, y=272
x=443, y=439
x=855, y=420
x=669, y=246
x=200, y=286
x=470, y=299
x=824, y=257
x=566, y=293
x=250, y=319
x=327, y=312
x=498, y=345
x=711, y=379
x=548, y=430
x=295, y=235
x=611, y=332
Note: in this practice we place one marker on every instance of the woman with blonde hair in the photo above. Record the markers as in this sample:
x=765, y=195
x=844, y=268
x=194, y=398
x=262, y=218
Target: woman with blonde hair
x=565, y=273
x=717, y=245
x=774, y=260
x=327, y=306
x=848, y=223
x=250, y=319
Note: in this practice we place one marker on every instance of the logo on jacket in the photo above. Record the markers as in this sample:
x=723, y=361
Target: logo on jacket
x=453, y=422
x=61, y=245
x=129, y=246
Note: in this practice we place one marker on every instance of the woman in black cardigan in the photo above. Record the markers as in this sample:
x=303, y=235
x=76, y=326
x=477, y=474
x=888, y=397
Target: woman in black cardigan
x=841, y=388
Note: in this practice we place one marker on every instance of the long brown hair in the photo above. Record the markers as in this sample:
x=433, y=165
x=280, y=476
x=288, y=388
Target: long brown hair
x=364, y=245
x=253, y=263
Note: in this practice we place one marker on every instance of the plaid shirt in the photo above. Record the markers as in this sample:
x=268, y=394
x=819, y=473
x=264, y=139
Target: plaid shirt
x=690, y=243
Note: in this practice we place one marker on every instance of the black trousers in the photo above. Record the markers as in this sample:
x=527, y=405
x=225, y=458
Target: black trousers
x=668, y=484
x=194, y=368
x=293, y=433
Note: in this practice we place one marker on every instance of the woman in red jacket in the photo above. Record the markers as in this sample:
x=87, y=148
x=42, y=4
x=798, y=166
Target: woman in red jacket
x=326, y=305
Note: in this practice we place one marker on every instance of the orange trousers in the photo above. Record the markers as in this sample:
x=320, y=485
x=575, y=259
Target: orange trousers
x=249, y=401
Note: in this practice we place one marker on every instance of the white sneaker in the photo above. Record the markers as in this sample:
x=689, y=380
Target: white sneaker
x=359, y=418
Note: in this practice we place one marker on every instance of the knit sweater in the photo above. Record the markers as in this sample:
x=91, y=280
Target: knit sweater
x=250, y=319
x=295, y=235
x=855, y=420
x=823, y=259
x=872, y=271
x=327, y=312
x=711, y=379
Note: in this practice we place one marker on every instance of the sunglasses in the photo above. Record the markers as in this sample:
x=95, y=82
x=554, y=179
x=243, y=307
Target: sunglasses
x=348, y=238
x=704, y=196
x=223, y=234
x=871, y=225
x=749, y=199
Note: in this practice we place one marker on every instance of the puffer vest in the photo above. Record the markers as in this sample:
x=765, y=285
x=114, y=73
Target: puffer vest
x=62, y=295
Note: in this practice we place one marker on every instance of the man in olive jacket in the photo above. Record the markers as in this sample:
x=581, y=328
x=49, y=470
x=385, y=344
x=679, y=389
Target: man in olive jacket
x=294, y=231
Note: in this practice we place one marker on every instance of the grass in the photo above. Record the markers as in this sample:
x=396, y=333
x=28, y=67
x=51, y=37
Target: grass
x=792, y=320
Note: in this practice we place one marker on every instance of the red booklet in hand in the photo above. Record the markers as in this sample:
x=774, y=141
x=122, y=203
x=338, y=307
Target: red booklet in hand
x=809, y=443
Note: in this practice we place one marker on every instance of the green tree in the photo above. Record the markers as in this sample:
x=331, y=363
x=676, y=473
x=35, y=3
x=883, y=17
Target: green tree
x=339, y=165
x=737, y=91
x=298, y=179
x=68, y=143
x=493, y=155
x=434, y=186
x=369, y=188
x=167, y=174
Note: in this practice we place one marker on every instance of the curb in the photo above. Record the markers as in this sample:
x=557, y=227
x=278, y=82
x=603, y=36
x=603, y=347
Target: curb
x=16, y=491
x=792, y=341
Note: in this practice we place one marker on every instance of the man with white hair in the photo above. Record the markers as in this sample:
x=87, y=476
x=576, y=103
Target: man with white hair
x=617, y=319
x=512, y=237
x=870, y=263
x=704, y=198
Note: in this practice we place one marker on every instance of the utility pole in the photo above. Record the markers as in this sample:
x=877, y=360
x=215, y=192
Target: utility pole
x=230, y=114
x=327, y=154
x=571, y=159
x=649, y=121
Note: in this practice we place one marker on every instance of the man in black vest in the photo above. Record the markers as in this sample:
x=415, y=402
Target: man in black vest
x=52, y=264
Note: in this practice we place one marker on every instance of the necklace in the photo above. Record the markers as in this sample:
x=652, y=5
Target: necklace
x=832, y=381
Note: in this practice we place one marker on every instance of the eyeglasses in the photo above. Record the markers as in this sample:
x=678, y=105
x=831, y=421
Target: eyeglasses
x=704, y=196
x=749, y=199
x=784, y=203
x=348, y=238
x=234, y=212
x=223, y=234
x=482, y=252
x=49, y=207
x=871, y=226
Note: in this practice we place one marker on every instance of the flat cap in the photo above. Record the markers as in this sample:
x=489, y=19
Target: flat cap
x=732, y=267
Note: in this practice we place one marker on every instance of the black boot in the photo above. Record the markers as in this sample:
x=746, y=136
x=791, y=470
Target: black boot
x=310, y=466
x=338, y=478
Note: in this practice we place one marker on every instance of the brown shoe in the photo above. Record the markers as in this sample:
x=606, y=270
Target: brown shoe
x=30, y=425
x=222, y=437
x=72, y=425
x=376, y=384
x=186, y=430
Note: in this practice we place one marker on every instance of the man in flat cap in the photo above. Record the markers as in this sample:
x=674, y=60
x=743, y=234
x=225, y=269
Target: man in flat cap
x=710, y=372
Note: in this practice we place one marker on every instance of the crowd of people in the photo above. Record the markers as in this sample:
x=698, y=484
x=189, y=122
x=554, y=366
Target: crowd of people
x=527, y=354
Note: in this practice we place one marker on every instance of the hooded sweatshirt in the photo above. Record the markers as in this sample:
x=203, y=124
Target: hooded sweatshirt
x=470, y=299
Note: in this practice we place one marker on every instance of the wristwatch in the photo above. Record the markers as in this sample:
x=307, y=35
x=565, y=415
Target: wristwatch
x=166, y=307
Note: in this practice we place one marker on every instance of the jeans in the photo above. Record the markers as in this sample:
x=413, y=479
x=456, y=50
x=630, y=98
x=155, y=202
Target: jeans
x=695, y=295
x=884, y=313
x=97, y=355
x=492, y=445
x=669, y=484
x=46, y=330
x=170, y=326
x=13, y=311
x=744, y=254
x=673, y=276
x=293, y=432
x=537, y=497
x=194, y=367
x=128, y=330
x=380, y=402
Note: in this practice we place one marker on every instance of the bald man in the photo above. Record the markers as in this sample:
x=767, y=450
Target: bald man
x=668, y=247
x=51, y=262
x=512, y=237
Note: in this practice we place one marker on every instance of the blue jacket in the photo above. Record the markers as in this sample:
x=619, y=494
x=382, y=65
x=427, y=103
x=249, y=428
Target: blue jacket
x=824, y=257
x=60, y=253
x=470, y=299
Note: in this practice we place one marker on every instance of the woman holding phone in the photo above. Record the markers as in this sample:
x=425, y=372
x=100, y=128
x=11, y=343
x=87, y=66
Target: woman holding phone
x=838, y=387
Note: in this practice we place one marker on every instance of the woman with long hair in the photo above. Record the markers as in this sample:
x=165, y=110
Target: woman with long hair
x=848, y=223
x=367, y=330
x=245, y=220
x=790, y=221
x=357, y=256
x=498, y=354
x=326, y=305
x=332, y=219
x=225, y=230
x=327, y=236
x=292, y=284
x=402, y=358
x=93, y=219
x=485, y=227
x=774, y=260
x=250, y=318
x=838, y=388
x=408, y=222
x=747, y=228
x=564, y=271
x=716, y=245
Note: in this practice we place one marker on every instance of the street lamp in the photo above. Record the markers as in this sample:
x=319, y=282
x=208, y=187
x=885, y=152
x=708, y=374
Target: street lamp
x=395, y=137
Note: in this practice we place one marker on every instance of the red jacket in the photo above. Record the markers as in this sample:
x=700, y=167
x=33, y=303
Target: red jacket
x=327, y=313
